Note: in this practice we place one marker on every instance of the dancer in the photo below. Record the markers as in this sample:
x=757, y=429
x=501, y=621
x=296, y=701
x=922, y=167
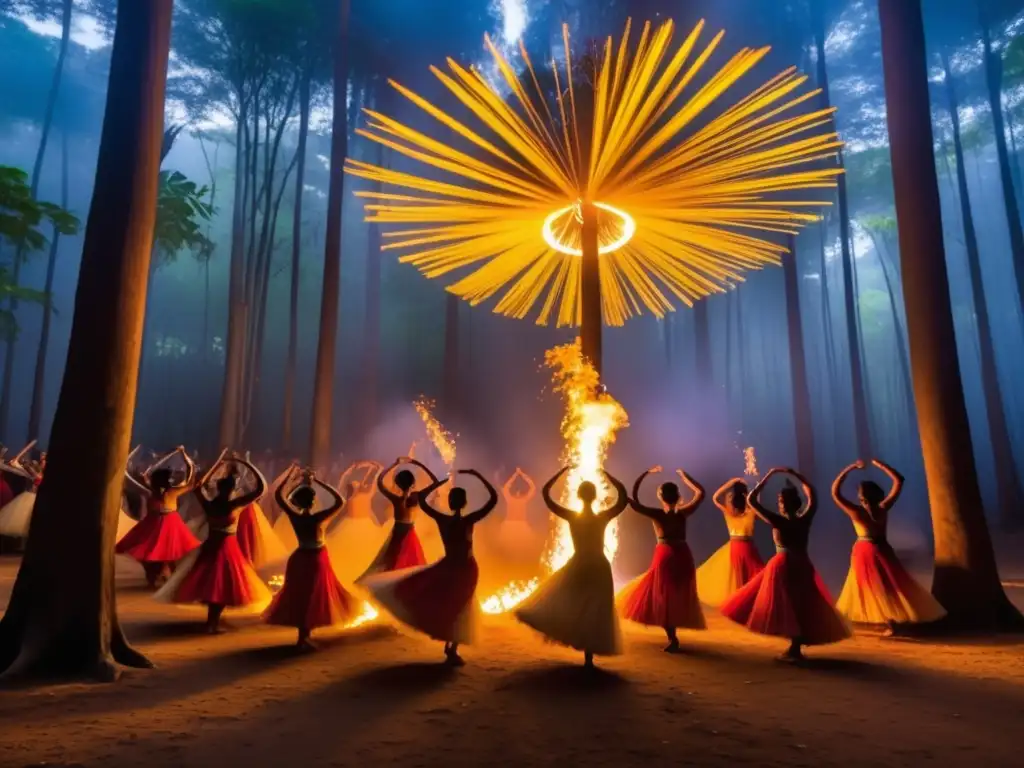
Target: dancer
x=788, y=598
x=311, y=596
x=161, y=538
x=402, y=548
x=355, y=532
x=440, y=599
x=217, y=573
x=878, y=589
x=575, y=606
x=516, y=532
x=666, y=595
x=737, y=561
x=16, y=514
x=256, y=537
x=6, y=493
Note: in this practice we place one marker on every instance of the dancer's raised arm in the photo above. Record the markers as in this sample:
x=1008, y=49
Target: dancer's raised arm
x=423, y=496
x=809, y=492
x=256, y=493
x=754, y=500
x=492, y=497
x=622, y=500
x=897, y=484
x=717, y=499
x=337, y=502
x=643, y=509
x=556, y=508
x=698, y=492
x=841, y=501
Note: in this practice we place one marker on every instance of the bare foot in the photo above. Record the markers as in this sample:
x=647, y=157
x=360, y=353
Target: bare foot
x=306, y=645
x=455, y=660
x=673, y=647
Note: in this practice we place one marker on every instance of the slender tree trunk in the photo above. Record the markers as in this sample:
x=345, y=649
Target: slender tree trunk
x=861, y=423
x=56, y=624
x=371, y=328
x=1009, y=493
x=291, y=367
x=826, y=304
x=994, y=82
x=667, y=330
x=451, y=373
x=323, y=383
x=37, y=171
x=798, y=365
x=1015, y=157
x=966, y=578
x=230, y=407
x=35, y=414
x=903, y=356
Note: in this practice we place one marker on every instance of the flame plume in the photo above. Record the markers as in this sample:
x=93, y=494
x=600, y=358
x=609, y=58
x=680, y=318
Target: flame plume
x=592, y=419
x=750, y=462
x=442, y=439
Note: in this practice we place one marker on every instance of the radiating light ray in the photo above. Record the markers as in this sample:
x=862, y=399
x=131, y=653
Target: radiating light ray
x=706, y=173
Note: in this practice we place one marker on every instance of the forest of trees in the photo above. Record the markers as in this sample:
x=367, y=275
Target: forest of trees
x=267, y=315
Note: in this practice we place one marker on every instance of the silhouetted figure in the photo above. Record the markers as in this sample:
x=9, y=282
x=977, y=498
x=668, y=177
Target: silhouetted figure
x=788, y=598
x=666, y=595
x=161, y=538
x=575, y=606
x=354, y=533
x=737, y=561
x=440, y=599
x=311, y=596
x=402, y=548
x=878, y=589
x=217, y=573
x=16, y=512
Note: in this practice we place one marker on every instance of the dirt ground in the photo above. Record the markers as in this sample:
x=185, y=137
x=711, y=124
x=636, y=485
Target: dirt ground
x=373, y=696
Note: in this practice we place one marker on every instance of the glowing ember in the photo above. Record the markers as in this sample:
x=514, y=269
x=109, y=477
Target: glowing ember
x=276, y=582
x=442, y=439
x=368, y=614
x=592, y=419
x=751, y=462
x=509, y=596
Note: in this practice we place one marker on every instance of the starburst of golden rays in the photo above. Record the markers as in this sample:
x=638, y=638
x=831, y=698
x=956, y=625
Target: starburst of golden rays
x=691, y=177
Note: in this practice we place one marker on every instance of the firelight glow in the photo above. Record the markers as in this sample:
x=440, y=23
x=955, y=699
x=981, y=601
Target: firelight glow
x=710, y=173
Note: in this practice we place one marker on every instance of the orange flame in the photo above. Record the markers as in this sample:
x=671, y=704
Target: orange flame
x=592, y=419
x=751, y=462
x=442, y=439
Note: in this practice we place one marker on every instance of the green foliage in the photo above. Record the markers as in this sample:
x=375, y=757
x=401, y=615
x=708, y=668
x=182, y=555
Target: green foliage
x=21, y=222
x=181, y=211
x=1013, y=62
x=21, y=217
x=883, y=225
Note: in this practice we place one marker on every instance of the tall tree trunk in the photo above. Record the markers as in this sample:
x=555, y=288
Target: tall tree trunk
x=37, y=172
x=994, y=82
x=371, y=327
x=798, y=364
x=35, y=413
x=450, y=374
x=323, y=382
x=56, y=624
x=291, y=367
x=1008, y=486
x=861, y=424
x=234, y=353
x=966, y=578
x=903, y=356
x=826, y=305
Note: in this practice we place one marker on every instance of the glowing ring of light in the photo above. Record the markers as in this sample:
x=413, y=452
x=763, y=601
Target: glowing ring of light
x=628, y=229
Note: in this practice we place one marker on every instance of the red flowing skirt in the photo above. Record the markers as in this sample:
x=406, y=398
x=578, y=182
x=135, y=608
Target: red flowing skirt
x=311, y=596
x=439, y=600
x=745, y=560
x=220, y=576
x=401, y=550
x=158, y=538
x=248, y=533
x=666, y=595
x=788, y=599
x=879, y=590
x=6, y=494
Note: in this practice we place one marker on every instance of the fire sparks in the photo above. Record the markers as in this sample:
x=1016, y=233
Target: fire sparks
x=509, y=596
x=592, y=419
x=750, y=461
x=368, y=614
x=442, y=439
x=276, y=582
